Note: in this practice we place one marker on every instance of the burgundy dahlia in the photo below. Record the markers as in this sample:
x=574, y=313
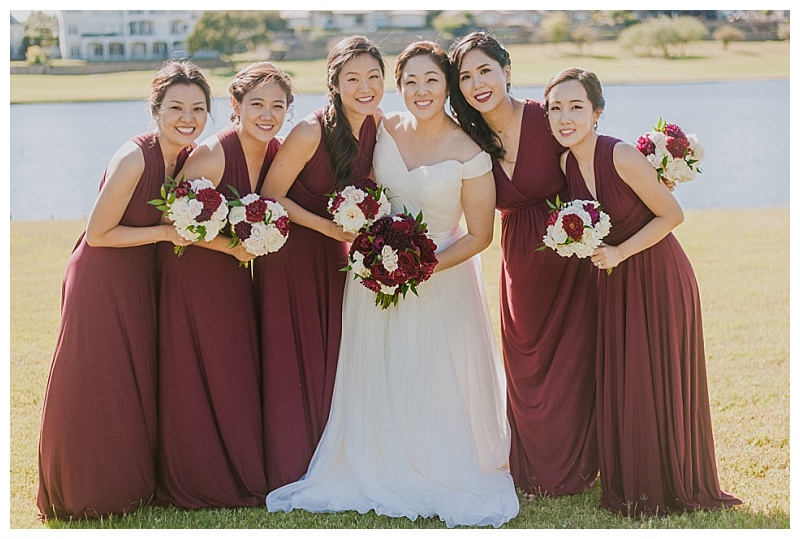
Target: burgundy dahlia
x=256, y=211
x=677, y=147
x=672, y=130
x=242, y=230
x=573, y=226
x=645, y=145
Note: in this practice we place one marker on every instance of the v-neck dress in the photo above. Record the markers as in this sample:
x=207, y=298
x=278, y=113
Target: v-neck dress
x=210, y=433
x=653, y=417
x=547, y=321
x=417, y=424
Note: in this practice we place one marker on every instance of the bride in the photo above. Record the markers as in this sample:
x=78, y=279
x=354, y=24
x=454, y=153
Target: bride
x=417, y=424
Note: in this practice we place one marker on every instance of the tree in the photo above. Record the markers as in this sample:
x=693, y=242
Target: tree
x=670, y=36
x=231, y=32
x=728, y=33
x=585, y=35
x=41, y=29
x=555, y=27
x=451, y=24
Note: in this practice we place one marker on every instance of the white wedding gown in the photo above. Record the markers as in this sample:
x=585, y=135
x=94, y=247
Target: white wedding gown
x=417, y=424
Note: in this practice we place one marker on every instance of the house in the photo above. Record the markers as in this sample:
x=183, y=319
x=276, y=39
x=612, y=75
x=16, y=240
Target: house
x=122, y=35
x=17, y=33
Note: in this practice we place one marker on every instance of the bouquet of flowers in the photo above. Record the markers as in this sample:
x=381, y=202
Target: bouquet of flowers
x=675, y=155
x=196, y=209
x=357, y=206
x=392, y=256
x=261, y=224
x=576, y=228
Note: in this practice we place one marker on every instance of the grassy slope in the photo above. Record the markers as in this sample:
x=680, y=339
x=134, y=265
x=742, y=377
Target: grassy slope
x=742, y=265
x=532, y=65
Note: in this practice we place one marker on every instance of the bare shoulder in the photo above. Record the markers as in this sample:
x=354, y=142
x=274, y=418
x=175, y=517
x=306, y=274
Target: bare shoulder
x=128, y=161
x=392, y=120
x=307, y=133
x=631, y=164
x=462, y=145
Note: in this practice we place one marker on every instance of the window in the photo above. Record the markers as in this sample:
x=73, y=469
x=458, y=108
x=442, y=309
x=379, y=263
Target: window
x=96, y=50
x=160, y=49
x=116, y=49
x=177, y=27
x=141, y=28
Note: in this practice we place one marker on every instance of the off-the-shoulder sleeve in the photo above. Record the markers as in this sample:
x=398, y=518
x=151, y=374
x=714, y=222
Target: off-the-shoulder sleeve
x=477, y=166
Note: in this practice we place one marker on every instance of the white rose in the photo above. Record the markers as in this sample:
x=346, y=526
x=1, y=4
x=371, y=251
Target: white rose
x=357, y=265
x=237, y=214
x=350, y=218
x=698, y=150
x=659, y=139
x=221, y=214
x=194, y=208
x=389, y=258
x=277, y=210
x=273, y=239
x=249, y=198
x=201, y=183
x=353, y=195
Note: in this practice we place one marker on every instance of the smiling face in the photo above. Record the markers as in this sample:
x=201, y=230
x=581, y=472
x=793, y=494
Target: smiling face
x=360, y=85
x=182, y=115
x=483, y=81
x=261, y=112
x=423, y=87
x=570, y=113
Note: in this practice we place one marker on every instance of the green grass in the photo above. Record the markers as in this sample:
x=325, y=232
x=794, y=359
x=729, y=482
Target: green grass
x=532, y=65
x=742, y=265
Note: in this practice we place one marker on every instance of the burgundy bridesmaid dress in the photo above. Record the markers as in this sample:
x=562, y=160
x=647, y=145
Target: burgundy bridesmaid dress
x=547, y=316
x=300, y=290
x=653, y=417
x=210, y=447
x=97, y=447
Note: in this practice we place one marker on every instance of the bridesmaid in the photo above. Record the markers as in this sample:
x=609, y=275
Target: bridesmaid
x=300, y=288
x=97, y=447
x=546, y=301
x=210, y=433
x=654, y=422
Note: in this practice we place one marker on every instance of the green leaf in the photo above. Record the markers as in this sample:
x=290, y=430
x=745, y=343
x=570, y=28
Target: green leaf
x=235, y=192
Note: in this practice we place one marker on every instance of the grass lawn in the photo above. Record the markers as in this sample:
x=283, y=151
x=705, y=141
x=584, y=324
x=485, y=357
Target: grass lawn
x=742, y=265
x=532, y=65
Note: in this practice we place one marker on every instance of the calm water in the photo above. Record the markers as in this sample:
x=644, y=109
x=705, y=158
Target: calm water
x=59, y=151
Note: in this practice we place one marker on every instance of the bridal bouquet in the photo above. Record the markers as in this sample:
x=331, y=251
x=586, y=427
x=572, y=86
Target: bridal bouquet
x=261, y=224
x=392, y=256
x=357, y=206
x=675, y=155
x=197, y=210
x=576, y=228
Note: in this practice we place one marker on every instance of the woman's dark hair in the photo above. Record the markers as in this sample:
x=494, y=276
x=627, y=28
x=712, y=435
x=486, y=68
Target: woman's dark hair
x=594, y=90
x=254, y=76
x=176, y=72
x=470, y=119
x=342, y=144
x=428, y=48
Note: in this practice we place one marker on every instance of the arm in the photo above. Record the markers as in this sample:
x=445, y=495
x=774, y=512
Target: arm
x=478, y=199
x=103, y=228
x=637, y=172
x=295, y=152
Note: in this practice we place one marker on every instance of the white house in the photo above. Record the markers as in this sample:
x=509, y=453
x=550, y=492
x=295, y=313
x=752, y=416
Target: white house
x=17, y=32
x=118, y=35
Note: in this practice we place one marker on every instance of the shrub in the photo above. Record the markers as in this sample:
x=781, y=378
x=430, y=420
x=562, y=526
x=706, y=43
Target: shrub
x=670, y=36
x=36, y=55
x=728, y=33
x=783, y=31
x=555, y=27
x=585, y=35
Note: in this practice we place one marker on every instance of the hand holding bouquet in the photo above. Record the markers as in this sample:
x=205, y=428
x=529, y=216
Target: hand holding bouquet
x=576, y=228
x=260, y=224
x=675, y=155
x=394, y=255
x=197, y=210
x=357, y=206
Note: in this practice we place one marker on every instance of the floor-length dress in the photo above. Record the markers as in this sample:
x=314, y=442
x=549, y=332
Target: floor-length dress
x=299, y=291
x=417, y=424
x=653, y=417
x=209, y=425
x=547, y=315
x=97, y=446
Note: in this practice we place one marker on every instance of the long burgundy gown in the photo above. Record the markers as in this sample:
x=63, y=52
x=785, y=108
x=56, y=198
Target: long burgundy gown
x=547, y=315
x=300, y=290
x=653, y=417
x=97, y=446
x=210, y=445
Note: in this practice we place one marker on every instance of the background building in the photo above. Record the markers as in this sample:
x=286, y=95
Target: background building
x=117, y=35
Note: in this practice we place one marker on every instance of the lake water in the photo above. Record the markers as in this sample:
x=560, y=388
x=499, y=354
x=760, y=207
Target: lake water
x=59, y=151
